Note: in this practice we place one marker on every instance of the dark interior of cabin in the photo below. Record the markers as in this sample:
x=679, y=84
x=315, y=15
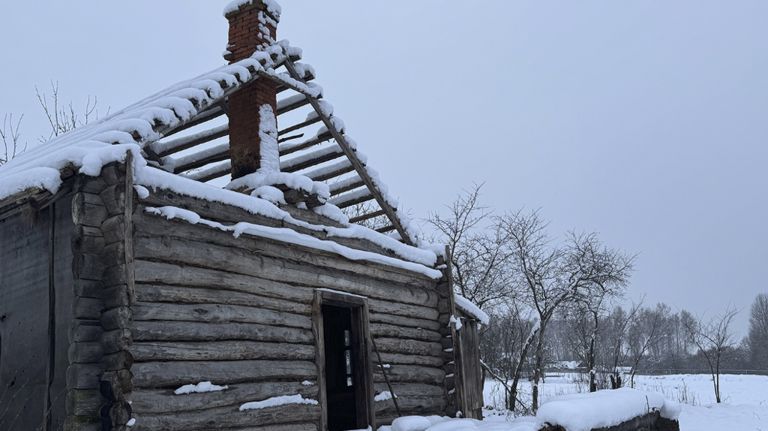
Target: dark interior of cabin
x=342, y=373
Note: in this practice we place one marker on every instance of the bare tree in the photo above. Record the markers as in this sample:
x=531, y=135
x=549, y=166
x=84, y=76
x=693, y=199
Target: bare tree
x=10, y=135
x=590, y=315
x=61, y=118
x=645, y=331
x=714, y=339
x=757, y=340
x=477, y=250
x=554, y=276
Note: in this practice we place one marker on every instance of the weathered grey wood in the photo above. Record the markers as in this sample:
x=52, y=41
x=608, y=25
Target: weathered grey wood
x=177, y=373
x=85, y=331
x=113, y=253
x=87, y=308
x=201, y=158
x=85, y=353
x=310, y=216
x=158, y=272
x=327, y=172
x=116, y=318
x=214, y=313
x=114, y=228
x=409, y=310
x=227, y=418
x=409, y=347
x=413, y=404
x=396, y=331
x=83, y=376
x=115, y=341
x=352, y=198
x=218, y=351
x=87, y=239
x=405, y=321
x=173, y=146
x=356, y=163
x=286, y=149
x=197, y=331
x=165, y=401
x=84, y=401
x=207, y=209
x=190, y=295
x=207, y=115
x=298, y=126
x=325, y=271
x=88, y=209
x=367, y=216
x=114, y=198
x=122, y=360
x=88, y=288
x=412, y=389
x=413, y=374
x=311, y=159
x=406, y=359
x=88, y=184
x=153, y=226
x=115, y=296
x=298, y=426
x=87, y=266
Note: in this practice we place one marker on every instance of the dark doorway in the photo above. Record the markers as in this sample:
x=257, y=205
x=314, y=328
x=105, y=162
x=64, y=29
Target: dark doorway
x=345, y=356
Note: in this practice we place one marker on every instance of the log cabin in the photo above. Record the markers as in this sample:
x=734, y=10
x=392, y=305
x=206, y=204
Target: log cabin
x=186, y=264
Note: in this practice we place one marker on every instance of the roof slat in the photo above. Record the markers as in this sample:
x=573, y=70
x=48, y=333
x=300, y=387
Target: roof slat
x=346, y=185
x=298, y=146
x=199, y=159
x=357, y=196
x=311, y=159
x=174, y=146
x=367, y=216
x=331, y=171
x=210, y=173
x=209, y=114
x=298, y=126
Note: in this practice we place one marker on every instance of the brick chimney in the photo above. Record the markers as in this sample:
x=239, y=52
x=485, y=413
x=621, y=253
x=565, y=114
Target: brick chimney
x=252, y=27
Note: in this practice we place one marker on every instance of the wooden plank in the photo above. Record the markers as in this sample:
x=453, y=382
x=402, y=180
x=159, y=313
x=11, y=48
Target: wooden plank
x=178, y=373
x=395, y=319
x=173, y=146
x=272, y=260
x=214, y=313
x=367, y=216
x=202, y=331
x=332, y=171
x=398, y=331
x=345, y=185
x=308, y=122
x=409, y=347
x=214, y=111
x=201, y=158
x=311, y=159
x=287, y=149
x=413, y=374
x=403, y=359
x=159, y=272
x=352, y=198
x=289, y=104
x=358, y=166
x=218, y=351
x=210, y=173
x=165, y=401
x=230, y=418
x=385, y=229
x=190, y=295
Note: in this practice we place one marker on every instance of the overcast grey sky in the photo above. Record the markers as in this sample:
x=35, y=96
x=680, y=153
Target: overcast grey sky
x=644, y=121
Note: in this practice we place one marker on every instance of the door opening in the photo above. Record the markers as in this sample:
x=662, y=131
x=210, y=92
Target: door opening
x=346, y=380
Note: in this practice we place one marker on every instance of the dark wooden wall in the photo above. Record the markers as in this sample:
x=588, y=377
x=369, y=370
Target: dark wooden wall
x=237, y=312
x=35, y=314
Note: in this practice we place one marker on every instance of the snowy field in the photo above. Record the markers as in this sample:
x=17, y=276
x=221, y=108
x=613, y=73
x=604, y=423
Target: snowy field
x=744, y=406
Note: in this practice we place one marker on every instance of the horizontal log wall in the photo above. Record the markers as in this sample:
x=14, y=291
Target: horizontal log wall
x=237, y=312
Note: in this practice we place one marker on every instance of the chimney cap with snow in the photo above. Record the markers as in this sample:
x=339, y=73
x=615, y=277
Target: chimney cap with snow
x=270, y=7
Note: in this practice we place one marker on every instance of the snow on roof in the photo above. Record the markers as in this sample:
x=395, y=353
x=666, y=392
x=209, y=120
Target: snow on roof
x=468, y=307
x=107, y=140
x=272, y=7
x=602, y=409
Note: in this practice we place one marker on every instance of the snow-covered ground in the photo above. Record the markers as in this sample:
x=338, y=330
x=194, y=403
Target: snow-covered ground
x=744, y=406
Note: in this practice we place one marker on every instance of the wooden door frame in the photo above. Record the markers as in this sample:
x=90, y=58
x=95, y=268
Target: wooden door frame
x=358, y=305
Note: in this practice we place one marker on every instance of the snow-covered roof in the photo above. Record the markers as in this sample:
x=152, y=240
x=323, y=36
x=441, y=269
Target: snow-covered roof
x=187, y=163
